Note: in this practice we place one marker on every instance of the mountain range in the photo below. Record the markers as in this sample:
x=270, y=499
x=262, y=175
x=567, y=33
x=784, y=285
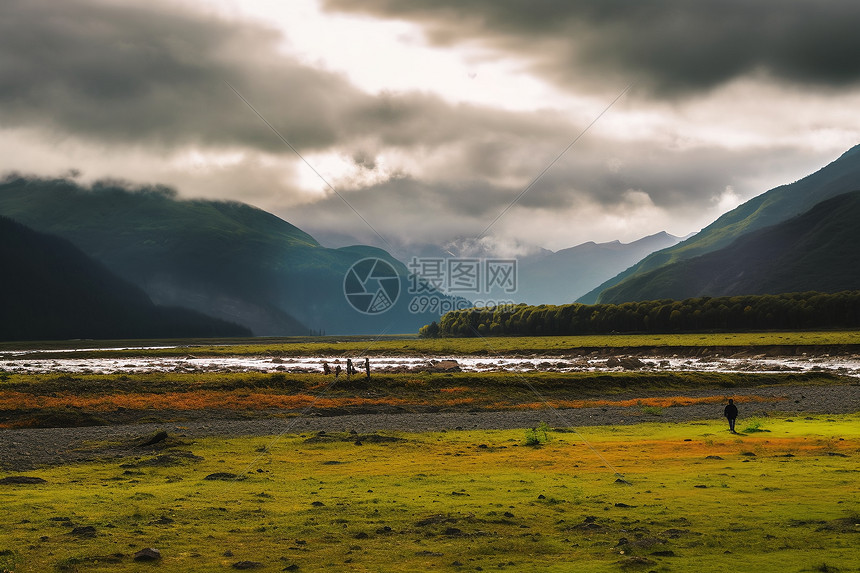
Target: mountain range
x=53, y=291
x=161, y=263
x=771, y=208
x=228, y=260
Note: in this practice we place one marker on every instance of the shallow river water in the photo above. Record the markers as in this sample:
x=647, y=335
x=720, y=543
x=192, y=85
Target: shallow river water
x=28, y=362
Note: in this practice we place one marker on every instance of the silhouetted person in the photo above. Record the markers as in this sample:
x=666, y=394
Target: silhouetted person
x=350, y=369
x=326, y=368
x=731, y=412
x=367, y=367
x=337, y=370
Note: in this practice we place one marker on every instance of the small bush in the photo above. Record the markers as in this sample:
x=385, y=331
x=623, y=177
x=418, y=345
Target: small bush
x=753, y=427
x=537, y=436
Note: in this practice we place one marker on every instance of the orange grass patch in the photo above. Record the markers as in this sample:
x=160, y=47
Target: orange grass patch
x=244, y=400
x=198, y=400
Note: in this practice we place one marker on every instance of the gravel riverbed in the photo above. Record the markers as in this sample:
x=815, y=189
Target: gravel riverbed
x=27, y=449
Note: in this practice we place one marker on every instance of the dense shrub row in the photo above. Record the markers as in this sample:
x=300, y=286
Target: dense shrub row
x=751, y=312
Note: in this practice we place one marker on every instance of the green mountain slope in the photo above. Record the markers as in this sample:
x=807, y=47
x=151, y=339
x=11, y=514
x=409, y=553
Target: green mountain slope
x=50, y=290
x=815, y=251
x=770, y=208
x=225, y=259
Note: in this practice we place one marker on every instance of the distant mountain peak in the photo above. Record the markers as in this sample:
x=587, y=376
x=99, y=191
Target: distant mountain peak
x=563, y=276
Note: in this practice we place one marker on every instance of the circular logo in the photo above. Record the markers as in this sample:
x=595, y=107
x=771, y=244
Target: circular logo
x=371, y=286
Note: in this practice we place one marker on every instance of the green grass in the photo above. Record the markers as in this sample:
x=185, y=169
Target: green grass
x=413, y=346
x=479, y=498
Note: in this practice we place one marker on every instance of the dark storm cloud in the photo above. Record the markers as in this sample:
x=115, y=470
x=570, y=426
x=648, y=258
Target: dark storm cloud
x=154, y=75
x=137, y=74
x=669, y=46
x=599, y=175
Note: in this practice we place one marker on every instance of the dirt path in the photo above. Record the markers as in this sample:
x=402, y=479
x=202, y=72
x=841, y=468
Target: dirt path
x=26, y=449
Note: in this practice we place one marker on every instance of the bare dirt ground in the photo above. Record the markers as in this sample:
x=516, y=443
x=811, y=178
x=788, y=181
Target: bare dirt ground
x=26, y=449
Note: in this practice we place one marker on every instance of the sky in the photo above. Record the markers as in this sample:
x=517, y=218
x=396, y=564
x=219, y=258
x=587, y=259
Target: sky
x=493, y=124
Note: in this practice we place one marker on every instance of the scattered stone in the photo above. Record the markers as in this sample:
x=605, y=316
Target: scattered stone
x=84, y=531
x=361, y=535
x=713, y=458
x=153, y=439
x=664, y=553
x=21, y=480
x=317, y=504
x=223, y=476
x=167, y=460
x=227, y=553
x=635, y=562
x=434, y=519
x=676, y=533
x=836, y=454
x=622, y=505
x=748, y=454
x=148, y=554
x=384, y=530
x=247, y=565
x=429, y=554
x=443, y=366
x=701, y=486
x=452, y=531
x=630, y=363
x=541, y=496
x=163, y=520
x=292, y=567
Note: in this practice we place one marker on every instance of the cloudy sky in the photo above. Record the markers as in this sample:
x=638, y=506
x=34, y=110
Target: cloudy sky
x=427, y=119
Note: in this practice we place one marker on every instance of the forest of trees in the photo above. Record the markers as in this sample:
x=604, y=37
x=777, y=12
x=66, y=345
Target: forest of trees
x=736, y=313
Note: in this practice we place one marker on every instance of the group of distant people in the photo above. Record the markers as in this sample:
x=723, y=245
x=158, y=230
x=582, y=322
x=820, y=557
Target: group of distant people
x=730, y=411
x=350, y=369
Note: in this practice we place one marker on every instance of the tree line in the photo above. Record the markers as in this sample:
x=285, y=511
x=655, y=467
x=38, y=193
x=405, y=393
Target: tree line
x=729, y=313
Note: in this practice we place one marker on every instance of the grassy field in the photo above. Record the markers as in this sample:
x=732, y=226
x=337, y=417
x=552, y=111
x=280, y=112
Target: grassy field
x=413, y=346
x=783, y=496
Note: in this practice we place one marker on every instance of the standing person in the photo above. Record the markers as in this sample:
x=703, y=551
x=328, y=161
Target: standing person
x=731, y=412
x=367, y=367
x=336, y=370
x=326, y=368
x=350, y=369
